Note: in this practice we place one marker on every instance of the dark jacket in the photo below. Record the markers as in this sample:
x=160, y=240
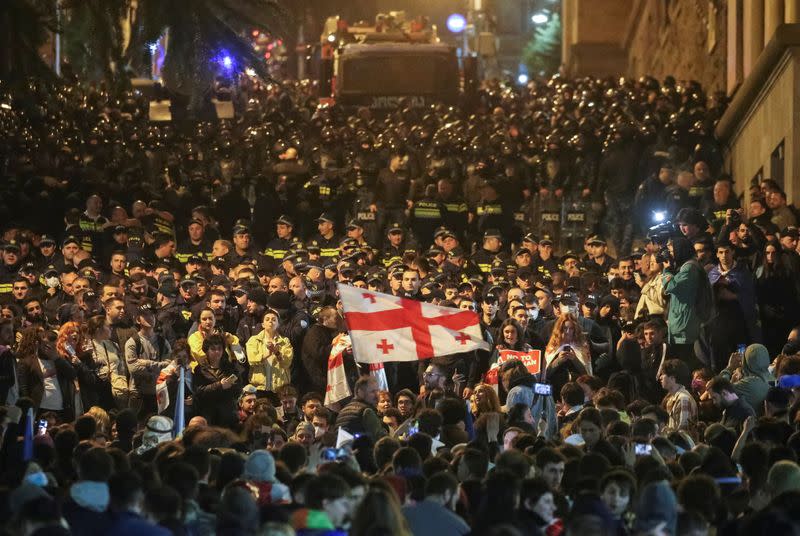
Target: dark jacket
x=314, y=355
x=31, y=379
x=216, y=404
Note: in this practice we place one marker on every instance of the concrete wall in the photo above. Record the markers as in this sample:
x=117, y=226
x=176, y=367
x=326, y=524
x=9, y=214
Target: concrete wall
x=772, y=118
x=672, y=38
x=593, y=33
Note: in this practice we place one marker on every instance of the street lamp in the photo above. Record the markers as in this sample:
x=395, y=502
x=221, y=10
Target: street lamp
x=539, y=18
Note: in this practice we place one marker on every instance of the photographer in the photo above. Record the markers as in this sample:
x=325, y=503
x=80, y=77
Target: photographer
x=683, y=280
x=747, y=239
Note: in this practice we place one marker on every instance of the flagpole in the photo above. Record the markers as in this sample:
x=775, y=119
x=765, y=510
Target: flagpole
x=27, y=440
x=179, y=404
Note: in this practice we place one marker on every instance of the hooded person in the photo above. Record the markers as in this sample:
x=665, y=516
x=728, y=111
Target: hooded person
x=157, y=430
x=521, y=385
x=85, y=508
x=657, y=511
x=754, y=383
x=259, y=479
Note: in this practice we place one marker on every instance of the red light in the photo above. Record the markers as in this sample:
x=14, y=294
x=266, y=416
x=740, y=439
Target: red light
x=268, y=55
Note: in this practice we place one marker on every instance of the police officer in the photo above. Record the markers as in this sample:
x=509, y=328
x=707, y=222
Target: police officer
x=492, y=242
x=490, y=212
x=9, y=270
x=278, y=247
x=397, y=247
x=426, y=216
x=326, y=238
x=196, y=242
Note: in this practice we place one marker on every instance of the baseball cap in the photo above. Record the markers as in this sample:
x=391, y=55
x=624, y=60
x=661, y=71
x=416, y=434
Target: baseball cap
x=325, y=217
x=440, y=231
x=791, y=231
x=521, y=251
x=596, y=239
x=569, y=255
x=530, y=237
x=457, y=251
x=491, y=233
x=354, y=224
x=11, y=245
x=27, y=268
x=546, y=241
x=285, y=220
x=241, y=229
x=50, y=270
x=120, y=229
x=195, y=259
x=71, y=239
x=47, y=240
x=313, y=247
x=394, y=227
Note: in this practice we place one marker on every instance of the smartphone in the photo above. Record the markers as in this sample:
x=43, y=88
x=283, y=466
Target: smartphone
x=238, y=353
x=642, y=449
x=566, y=348
x=543, y=389
x=331, y=454
x=413, y=429
x=41, y=427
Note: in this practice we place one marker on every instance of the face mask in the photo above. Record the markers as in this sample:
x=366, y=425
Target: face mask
x=569, y=309
x=318, y=431
x=51, y=282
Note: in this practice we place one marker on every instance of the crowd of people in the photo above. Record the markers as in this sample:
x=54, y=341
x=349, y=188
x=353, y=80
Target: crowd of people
x=137, y=255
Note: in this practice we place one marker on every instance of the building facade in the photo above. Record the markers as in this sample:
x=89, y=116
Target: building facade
x=748, y=48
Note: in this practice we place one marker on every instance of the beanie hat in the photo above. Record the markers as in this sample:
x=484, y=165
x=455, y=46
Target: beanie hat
x=258, y=296
x=260, y=467
x=280, y=299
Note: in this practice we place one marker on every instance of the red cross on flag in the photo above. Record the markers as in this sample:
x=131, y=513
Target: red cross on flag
x=389, y=328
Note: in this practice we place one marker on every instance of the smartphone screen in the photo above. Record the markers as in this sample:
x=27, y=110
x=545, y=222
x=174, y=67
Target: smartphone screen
x=41, y=427
x=543, y=389
x=643, y=449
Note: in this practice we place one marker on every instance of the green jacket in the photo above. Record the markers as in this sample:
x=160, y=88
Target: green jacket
x=754, y=384
x=682, y=320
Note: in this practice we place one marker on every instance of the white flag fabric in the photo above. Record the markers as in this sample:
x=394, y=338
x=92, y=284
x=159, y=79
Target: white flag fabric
x=386, y=328
x=337, y=388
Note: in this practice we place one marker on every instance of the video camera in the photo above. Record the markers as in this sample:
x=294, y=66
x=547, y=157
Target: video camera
x=660, y=234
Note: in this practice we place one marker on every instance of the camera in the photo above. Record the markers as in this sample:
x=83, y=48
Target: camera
x=660, y=235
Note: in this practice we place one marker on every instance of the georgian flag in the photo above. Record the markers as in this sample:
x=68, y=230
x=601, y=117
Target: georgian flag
x=387, y=328
x=337, y=388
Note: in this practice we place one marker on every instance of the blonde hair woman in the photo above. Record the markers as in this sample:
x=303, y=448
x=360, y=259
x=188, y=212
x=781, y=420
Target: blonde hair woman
x=652, y=300
x=567, y=353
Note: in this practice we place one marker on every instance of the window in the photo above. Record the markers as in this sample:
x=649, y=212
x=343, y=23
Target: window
x=777, y=165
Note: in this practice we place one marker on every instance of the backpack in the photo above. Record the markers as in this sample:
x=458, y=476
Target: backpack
x=704, y=301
